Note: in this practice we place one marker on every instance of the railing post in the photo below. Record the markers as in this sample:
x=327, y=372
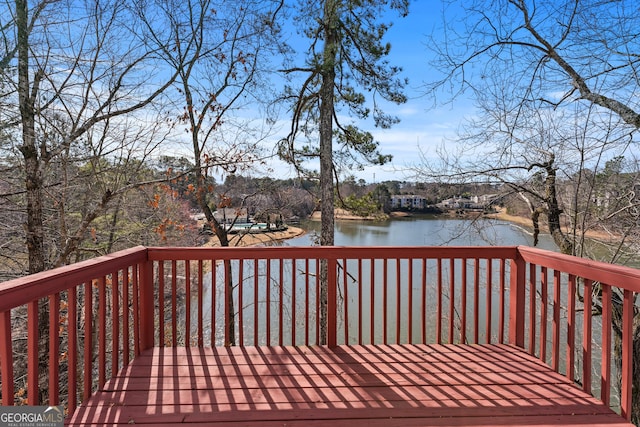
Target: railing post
x=6, y=359
x=332, y=306
x=517, y=301
x=146, y=308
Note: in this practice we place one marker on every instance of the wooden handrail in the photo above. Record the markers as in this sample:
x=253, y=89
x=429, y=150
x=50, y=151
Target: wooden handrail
x=134, y=300
x=597, y=271
x=23, y=290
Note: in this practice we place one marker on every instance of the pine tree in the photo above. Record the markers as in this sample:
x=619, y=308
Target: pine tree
x=346, y=58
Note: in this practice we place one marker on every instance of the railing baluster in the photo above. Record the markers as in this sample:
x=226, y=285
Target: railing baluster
x=385, y=310
x=200, y=287
x=502, y=301
x=228, y=294
x=115, y=324
x=605, y=378
x=489, y=299
x=318, y=340
x=280, y=301
x=54, y=349
x=543, y=313
x=463, y=308
x=102, y=332
x=626, y=391
x=268, y=299
x=241, y=302
x=372, y=291
x=398, y=301
x=32, y=353
x=452, y=297
x=72, y=352
x=517, y=301
x=135, y=291
x=410, y=302
x=571, y=327
x=214, y=291
x=306, y=301
x=476, y=301
x=555, y=359
x=439, y=302
x=586, y=336
x=293, y=301
x=345, y=295
x=532, y=309
x=423, y=302
x=174, y=303
x=332, y=307
x=161, y=303
x=88, y=340
x=256, y=312
x=360, y=298
x=187, y=303
x=125, y=317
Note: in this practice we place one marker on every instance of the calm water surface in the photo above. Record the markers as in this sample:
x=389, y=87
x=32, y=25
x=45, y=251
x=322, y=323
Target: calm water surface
x=413, y=231
x=425, y=231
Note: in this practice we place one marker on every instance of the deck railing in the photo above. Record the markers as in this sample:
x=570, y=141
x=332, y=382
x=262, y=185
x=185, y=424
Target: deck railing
x=577, y=315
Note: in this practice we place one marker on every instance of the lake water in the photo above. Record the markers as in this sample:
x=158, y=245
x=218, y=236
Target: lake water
x=425, y=231
x=412, y=231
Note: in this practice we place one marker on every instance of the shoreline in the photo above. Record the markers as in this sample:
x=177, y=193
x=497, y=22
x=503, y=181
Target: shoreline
x=502, y=214
x=255, y=239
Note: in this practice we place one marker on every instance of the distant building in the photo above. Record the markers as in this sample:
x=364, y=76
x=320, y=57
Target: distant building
x=408, y=202
x=231, y=215
x=471, y=203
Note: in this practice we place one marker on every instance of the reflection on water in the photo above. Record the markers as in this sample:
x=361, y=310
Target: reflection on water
x=425, y=231
x=380, y=300
x=413, y=231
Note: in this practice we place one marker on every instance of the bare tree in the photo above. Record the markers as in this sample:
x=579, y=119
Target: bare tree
x=220, y=53
x=71, y=87
x=556, y=161
x=75, y=87
x=548, y=55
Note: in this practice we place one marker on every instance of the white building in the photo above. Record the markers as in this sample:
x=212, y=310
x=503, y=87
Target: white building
x=404, y=201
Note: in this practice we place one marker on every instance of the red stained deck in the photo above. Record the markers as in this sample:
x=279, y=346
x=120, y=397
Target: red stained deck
x=382, y=385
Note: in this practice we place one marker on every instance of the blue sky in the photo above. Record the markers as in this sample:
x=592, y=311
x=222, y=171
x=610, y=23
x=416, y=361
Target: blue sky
x=422, y=126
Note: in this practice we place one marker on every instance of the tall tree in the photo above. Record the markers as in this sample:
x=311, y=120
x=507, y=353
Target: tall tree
x=74, y=85
x=73, y=74
x=220, y=52
x=524, y=59
x=346, y=56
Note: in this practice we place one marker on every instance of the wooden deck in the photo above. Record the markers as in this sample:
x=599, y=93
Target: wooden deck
x=394, y=385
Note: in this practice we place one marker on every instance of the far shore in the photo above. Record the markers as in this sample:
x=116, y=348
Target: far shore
x=255, y=239
x=502, y=214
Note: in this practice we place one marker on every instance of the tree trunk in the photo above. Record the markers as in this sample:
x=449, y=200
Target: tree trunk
x=33, y=173
x=566, y=247
x=326, y=154
x=34, y=227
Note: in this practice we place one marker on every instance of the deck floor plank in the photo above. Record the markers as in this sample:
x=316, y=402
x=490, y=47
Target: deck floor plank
x=390, y=385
